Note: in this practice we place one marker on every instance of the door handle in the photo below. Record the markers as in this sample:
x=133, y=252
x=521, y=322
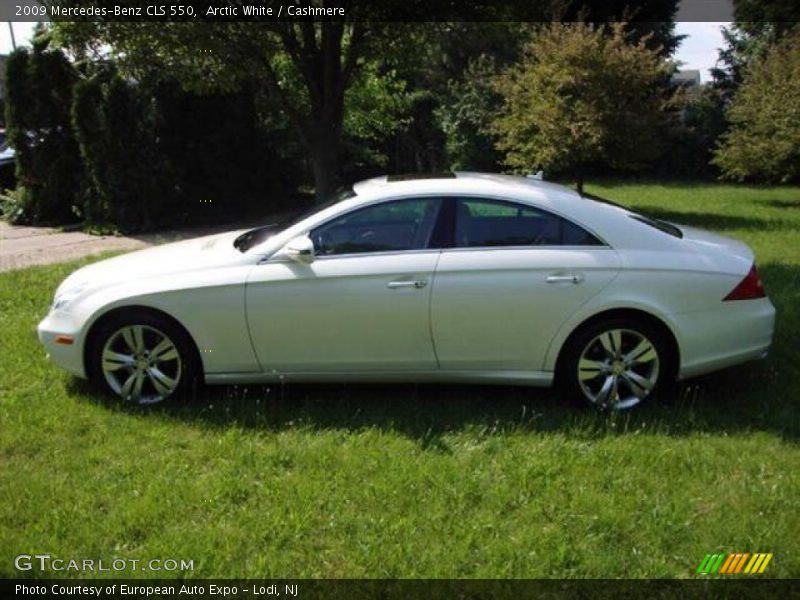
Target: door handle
x=418, y=284
x=568, y=278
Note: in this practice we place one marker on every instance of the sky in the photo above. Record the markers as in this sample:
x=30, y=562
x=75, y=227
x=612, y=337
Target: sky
x=22, y=33
x=698, y=51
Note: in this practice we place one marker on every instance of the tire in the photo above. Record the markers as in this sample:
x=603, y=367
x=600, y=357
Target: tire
x=142, y=358
x=616, y=364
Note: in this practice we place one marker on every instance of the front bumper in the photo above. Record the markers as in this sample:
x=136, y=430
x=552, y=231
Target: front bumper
x=66, y=356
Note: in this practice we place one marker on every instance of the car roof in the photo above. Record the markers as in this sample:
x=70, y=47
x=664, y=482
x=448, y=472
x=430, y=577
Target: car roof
x=466, y=182
x=609, y=222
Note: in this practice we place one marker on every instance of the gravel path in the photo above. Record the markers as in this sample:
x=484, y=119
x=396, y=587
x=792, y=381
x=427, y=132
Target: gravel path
x=25, y=246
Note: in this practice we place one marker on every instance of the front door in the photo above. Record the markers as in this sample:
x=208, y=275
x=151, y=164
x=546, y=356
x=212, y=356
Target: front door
x=362, y=304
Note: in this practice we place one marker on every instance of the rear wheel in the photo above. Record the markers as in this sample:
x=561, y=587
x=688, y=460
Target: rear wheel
x=142, y=358
x=617, y=364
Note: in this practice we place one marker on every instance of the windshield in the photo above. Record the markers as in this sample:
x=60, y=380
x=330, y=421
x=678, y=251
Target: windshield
x=254, y=237
x=667, y=228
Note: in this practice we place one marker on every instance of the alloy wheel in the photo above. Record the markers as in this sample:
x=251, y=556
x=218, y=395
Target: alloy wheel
x=618, y=368
x=141, y=364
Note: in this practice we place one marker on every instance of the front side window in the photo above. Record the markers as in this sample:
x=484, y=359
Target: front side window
x=388, y=227
x=487, y=223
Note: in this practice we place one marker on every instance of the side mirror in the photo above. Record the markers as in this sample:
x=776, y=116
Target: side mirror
x=300, y=249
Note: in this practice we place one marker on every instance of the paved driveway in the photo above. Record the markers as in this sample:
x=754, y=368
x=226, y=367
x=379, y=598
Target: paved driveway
x=25, y=246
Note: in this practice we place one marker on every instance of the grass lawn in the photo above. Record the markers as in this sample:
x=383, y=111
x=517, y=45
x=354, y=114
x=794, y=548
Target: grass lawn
x=407, y=481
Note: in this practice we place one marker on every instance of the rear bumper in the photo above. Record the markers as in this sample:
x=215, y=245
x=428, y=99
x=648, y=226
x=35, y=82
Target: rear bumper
x=736, y=332
x=66, y=356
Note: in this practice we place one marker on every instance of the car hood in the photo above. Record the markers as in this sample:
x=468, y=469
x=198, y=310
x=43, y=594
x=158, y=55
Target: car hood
x=168, y=259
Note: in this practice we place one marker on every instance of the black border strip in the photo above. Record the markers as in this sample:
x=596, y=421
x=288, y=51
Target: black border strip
x=743, y=587
x=368, y=10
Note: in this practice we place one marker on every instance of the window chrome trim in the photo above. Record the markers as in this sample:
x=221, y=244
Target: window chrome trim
x=444, y=196
x=283, y=259
x=532, y=247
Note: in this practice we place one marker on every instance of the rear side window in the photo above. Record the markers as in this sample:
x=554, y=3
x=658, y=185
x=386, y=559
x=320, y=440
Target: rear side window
x=488, y=223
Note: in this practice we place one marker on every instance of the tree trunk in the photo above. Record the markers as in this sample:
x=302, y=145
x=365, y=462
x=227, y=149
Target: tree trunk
x=579, y=181
x=325, y=162
x=326, y=69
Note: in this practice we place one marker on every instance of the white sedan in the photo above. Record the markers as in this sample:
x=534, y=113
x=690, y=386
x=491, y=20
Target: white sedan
x=461, y=277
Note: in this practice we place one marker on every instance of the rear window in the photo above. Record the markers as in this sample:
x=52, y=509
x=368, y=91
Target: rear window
x=667, y=228
x=663, y=226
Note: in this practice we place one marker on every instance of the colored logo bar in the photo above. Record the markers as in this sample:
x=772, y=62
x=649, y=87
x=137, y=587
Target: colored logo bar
x=731, y=564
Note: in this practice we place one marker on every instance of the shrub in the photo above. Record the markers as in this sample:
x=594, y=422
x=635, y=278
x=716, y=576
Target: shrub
x=764, y=139
x=160, y=156
x=116, y=125
x=582, y=95
x=48, y=166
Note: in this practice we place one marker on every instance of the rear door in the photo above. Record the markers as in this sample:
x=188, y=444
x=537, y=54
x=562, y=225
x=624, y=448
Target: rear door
x=515, y=273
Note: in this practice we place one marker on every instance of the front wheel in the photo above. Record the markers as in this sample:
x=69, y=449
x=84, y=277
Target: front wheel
x=142, y=358
x=617, y=364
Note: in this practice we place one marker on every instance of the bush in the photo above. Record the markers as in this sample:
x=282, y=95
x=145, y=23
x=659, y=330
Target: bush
x=223, y=162
x=763, y=142
x=48, y=165
x=697, y=121
x=160, y=156
x=472, y=103
x=129, y=176
x=132, y=156
x=581, y=95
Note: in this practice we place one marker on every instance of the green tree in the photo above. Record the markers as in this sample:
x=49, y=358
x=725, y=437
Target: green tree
x=455, y=62
x=744, y=44
x=443, y=125
x=696, y=121
x=376, y=107
x=472, y=100
x=582, y=94
x=308, y=68
x=116, y=126
x=778, y=16
x=39, y=91
x=764, y=138
x=304, y=67
x=758, y=25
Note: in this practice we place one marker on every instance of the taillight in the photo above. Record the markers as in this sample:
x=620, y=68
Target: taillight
x=749, y=288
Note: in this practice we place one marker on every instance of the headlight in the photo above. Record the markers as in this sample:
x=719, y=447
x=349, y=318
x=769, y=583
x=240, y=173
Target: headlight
x=65, y=298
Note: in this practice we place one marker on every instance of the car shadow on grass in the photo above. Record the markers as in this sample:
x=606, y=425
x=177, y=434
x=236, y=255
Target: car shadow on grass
x=782, y=203
x=724, y=402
